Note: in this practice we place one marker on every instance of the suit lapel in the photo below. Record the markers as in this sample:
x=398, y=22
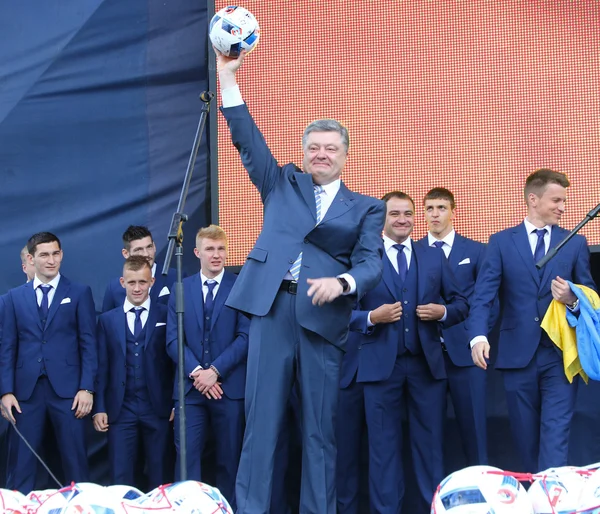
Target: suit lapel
x=60, y=294
x=121, y=328
x=556, y=235
x=222, y=294
x=150, y=324
x=198, y=300
x=31, y=302
x=342, y=203
x=304, y=183
x=521, y=240
x=457, y=252
x=388, y=278
x=419, y=256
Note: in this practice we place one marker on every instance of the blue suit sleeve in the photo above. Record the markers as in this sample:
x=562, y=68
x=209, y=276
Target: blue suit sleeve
x=582, y=273
x=359, y=322
x=252, y=147
x=102, y=377
x=457, y=307
x=237, y=352
x=88, y=348
x=191, y=362
x=108, y=303
x=8, y=349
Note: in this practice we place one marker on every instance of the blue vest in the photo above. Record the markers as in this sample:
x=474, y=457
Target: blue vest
x=206, y=358
x=135, y=385
x=407, y=294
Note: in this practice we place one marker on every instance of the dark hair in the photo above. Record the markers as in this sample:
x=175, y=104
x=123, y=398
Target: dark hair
x=135, y=233
x=440, y=193
x=136, y=263
x=397, y=194
x=41, y=238
x=538, y=181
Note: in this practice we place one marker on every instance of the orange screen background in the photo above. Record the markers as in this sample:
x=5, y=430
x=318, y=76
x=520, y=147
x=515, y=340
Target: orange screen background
x=470, y=95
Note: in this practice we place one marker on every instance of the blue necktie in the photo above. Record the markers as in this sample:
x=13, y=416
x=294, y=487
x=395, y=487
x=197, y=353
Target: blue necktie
x=209, y=301
x=295, y=269
x=402, y=263
x=137, y=325
x=45, y=289
x=540, y=247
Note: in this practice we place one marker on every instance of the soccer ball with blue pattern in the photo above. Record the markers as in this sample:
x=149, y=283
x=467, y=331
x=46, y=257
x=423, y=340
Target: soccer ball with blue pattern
x=232, y=30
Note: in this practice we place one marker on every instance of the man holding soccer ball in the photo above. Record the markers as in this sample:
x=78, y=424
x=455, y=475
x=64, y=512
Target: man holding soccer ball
x=319, y=248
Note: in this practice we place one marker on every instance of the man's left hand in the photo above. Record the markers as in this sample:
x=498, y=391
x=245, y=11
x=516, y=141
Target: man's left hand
x=205, y=379
x=561, y=291
x=431, y=312
x=82, y=404
x=324, y=290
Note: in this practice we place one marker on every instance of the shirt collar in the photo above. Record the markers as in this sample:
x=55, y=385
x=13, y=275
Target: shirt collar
x=332, y=188
x=54, y=282
x=388, y=243
x=530, y=227
x=217, y=279
x=449, y=239
x=154, y=269
x=127, y=305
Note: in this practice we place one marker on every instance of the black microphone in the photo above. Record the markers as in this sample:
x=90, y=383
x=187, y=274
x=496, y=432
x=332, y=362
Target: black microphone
x=207, y=96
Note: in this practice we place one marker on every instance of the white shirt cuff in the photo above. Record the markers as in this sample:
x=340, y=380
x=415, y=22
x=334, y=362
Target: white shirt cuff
x=351, y=282
x=369, y=322
x=231, y=97
x=443, y=318
x=478, y=339
x=194, y=370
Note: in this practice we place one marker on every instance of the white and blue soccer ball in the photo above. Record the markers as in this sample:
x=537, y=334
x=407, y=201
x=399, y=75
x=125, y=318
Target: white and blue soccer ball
x=481, y=490
x=234, y=29
x=12, y=502
x=557, y=490
x=188, y=497
x=589, y=498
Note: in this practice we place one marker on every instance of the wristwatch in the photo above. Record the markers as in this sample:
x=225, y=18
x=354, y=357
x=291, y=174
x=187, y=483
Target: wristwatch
x=344, y=283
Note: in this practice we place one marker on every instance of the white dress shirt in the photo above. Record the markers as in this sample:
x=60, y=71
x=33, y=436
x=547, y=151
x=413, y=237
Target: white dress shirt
x=38, y=292
x=448, y=241
x=533, y=238
x=217, y=279
x=127, y=306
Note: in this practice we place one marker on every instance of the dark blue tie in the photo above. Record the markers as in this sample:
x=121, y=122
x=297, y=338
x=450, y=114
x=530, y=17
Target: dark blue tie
x=540, y=247
x=137, y=325
x=402, y=263
x=45, y=289
x=209, y=301
x=440, y=245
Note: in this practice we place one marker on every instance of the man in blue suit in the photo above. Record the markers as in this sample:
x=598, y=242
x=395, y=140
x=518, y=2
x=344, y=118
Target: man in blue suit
x=318, y=249
x=466, y=382
x=137, y=240
x=135, y=379
x=398, y=356
x=216, y=347
x=539, y=397
x=48, y=364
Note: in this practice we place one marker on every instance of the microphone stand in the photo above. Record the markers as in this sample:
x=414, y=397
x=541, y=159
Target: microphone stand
x=176, y=242
x=553, y=251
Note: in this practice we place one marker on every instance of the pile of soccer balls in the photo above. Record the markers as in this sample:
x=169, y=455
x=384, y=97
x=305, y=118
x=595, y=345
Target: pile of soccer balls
x=485, y=489
x=86, y=498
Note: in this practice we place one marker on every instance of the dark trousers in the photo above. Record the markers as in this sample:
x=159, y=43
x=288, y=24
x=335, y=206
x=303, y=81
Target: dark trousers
x=226, y=419
x=138, y=421
x=540, y=403
x=44, y=403
x=410, y=384
x=280, y=352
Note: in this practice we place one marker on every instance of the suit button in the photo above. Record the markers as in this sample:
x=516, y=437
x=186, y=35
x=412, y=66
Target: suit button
x=206, y=365
x=306, y=241
x=136, y=355
x=536, y=319
x=207, y=318
x=404, y=290
x=405, y=302
x=205, y=351
x=360, y=346
x=539, y=297
x=291, y=261
x=122, y=383
x=406, y=329
x=43, y=342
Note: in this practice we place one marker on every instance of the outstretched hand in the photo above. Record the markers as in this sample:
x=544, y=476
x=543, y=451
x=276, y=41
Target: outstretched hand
x=228, y=66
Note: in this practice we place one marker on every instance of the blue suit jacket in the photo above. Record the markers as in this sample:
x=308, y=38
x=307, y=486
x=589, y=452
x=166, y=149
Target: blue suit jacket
x=67, y=346
x=2, y=300
x=112, y=358
x=228, y=335
x=456, y=338
x=114, y=295
x=346, y=241
x=371, y=356
x=509, y=272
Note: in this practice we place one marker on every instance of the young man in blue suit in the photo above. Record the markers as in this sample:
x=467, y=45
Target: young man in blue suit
x=539, y=397
x=48, y=364
x=135, y=379
x=318, y=249
x=216, y=347
x=397, y=359
x=137, y=240
x=466, y=382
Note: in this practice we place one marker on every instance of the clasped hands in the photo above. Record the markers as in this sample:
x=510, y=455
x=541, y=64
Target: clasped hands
x=206, y=382
x=392, y=312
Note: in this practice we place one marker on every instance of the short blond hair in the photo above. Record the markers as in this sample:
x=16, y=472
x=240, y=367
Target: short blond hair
x=24, y=254
x=211, y=232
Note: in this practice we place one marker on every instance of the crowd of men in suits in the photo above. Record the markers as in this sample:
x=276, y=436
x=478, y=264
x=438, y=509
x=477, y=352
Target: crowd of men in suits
x=327, y=316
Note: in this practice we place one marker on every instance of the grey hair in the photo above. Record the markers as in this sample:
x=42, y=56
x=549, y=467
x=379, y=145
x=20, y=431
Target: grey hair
x=327, y=125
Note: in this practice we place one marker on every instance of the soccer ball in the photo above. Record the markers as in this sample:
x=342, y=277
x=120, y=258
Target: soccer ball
x=480, y=490
x=124, y=491
x=12, y=502
x=232, y=30
x=589, y=499
x=557, y=490
x=186, y=498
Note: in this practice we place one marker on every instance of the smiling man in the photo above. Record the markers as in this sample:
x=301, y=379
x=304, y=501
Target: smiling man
x=539, y=397
x=48, y=364
x=318, y=250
